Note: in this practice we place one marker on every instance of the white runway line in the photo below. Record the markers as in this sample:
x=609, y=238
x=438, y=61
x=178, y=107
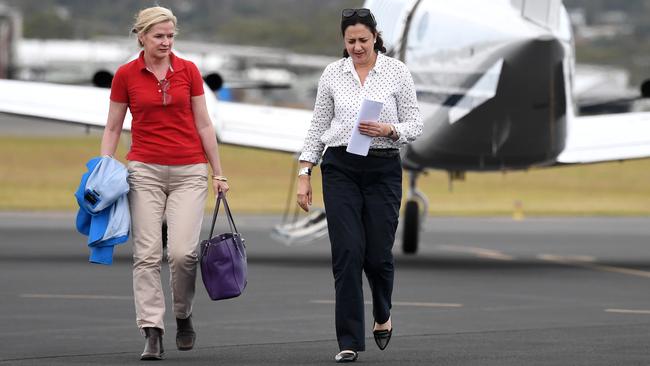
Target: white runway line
x=566, y=258
x=588, y=262
x=479, y=252
x=628, y=311
x=75, y=297
x=402, y=303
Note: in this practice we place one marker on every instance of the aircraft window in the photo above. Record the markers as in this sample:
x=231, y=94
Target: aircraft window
x=544, y=12
x=537, y=11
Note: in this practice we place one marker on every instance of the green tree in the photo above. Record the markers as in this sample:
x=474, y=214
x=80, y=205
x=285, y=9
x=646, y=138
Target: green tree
x=48, y=24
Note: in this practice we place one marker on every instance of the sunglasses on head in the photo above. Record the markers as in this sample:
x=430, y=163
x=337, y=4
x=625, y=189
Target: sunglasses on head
x=361, y=13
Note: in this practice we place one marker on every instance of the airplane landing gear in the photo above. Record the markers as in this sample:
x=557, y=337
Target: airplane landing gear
x=415, y=212
x=299, y=230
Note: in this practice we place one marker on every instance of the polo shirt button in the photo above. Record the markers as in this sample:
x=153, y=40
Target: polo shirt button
x=158, y=90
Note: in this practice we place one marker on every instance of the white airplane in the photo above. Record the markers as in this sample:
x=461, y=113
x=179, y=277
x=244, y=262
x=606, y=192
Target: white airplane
x=495, y=86
x=495, y=83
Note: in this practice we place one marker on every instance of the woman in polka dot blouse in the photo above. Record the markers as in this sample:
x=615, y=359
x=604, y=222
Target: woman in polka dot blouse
x=362, y=194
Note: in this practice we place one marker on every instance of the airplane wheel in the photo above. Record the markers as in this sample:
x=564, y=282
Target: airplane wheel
x=411, y=227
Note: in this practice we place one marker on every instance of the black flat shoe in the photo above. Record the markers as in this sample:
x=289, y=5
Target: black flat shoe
x=346, y=356
x=382, y=337
x=185, y=335
x=153, y=347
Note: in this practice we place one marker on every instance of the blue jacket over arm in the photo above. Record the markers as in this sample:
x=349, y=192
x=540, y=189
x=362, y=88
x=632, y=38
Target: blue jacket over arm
x=103, y=207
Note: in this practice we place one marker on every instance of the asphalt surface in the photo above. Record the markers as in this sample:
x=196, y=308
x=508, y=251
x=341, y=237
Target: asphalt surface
x=481, y=291
x=569, y=291
x=12, y=125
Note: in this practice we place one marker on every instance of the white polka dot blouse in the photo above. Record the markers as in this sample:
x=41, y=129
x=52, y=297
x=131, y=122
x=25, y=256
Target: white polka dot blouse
x=339, y=99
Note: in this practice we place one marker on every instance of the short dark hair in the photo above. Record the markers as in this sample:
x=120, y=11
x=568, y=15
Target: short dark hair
x=368, y=21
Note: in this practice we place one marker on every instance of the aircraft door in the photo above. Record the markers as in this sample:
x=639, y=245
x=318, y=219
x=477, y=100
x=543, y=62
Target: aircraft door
x=391, y=18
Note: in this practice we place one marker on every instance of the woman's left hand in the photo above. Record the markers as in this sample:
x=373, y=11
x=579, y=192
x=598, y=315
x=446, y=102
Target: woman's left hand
x=374, y=129
x=219, y=186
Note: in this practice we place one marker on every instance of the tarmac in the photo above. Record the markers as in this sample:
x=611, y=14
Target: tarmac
x=480, y=291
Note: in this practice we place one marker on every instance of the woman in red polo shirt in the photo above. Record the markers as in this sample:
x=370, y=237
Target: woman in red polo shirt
x=172, y=142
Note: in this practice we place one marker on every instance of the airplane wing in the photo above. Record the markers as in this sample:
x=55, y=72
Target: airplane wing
x=67, y=103
x=271, y=128
x=593, y=139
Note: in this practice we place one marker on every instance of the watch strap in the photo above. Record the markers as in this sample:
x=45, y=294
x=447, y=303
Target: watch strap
x=304, y=171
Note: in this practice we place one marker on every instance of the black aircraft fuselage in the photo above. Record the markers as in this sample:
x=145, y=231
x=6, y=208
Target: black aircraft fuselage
x=523, y=125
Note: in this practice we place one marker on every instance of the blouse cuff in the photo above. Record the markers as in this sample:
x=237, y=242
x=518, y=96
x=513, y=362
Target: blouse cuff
x=402, y=136
x=310, y=156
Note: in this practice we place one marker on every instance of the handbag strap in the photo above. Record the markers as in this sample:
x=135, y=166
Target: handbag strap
x=231, y=221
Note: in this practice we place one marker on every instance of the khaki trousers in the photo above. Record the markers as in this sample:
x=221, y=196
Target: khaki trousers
x=177, y=193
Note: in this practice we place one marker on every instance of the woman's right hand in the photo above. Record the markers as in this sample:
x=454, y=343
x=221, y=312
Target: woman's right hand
x=219, y=187
x=304, y=192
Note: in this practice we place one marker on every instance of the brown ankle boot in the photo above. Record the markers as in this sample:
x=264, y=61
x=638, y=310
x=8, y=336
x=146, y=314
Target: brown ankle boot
x=185, y=335
x=153, y=346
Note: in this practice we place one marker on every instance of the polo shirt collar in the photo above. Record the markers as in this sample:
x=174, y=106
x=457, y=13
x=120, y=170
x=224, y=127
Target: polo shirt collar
x=175, y=64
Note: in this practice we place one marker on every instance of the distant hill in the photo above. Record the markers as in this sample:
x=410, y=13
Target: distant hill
x=628, y=51
x=637, y=10
x=309, y=26
x=300, y=25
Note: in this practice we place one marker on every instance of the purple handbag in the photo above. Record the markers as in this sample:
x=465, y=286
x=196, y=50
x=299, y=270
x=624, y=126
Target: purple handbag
x=223, y=259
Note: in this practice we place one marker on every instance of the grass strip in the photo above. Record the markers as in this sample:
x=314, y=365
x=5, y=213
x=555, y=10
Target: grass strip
x=42, y=173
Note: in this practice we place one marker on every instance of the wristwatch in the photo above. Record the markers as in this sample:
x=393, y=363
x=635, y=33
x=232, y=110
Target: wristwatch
x=393, y=131
x=304, y=171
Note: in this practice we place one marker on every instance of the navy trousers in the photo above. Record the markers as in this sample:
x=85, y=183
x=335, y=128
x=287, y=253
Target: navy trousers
x=362, y=200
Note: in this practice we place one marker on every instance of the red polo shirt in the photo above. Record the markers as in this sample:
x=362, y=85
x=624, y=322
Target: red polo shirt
x=162, y=133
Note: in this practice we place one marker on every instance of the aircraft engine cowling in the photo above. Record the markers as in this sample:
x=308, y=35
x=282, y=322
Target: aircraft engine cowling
x=103, y=79
x=214, y=81
x=645, y=89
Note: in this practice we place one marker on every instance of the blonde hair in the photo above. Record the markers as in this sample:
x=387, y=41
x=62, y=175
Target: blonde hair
x=147, y=18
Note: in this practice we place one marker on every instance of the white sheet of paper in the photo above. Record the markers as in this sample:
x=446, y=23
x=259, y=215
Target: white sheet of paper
x=360, y=144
